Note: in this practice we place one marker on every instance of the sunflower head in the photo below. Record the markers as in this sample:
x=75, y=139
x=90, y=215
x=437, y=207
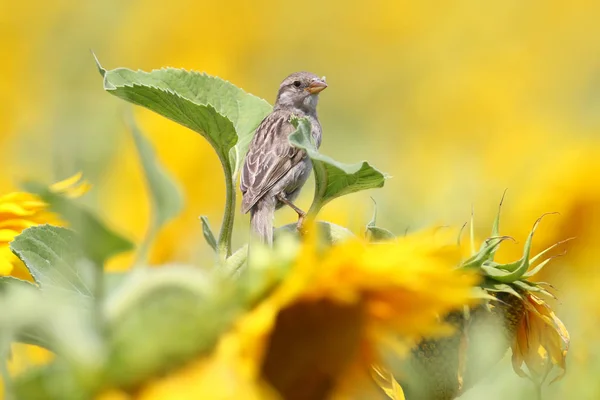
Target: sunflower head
x=320, y=330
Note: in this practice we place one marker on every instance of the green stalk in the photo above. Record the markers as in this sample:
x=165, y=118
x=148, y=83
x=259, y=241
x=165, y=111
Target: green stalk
x=313, y=211
x=224, y=242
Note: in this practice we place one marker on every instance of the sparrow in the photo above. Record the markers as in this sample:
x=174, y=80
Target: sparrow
x=274, y=171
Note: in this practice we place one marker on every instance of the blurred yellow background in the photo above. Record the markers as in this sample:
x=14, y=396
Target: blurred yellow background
x=456, y=100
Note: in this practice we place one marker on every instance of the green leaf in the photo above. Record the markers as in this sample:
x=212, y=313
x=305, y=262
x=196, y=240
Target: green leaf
x=333, y=179
x=166, y=197
x=179, y=312
x=234, y=264
x=374, y=233
x=207, y=232
x=48, y=318
x=224, y=114
x=7, y=282
x=97, y=241
x=53, y=257
x=26, y=334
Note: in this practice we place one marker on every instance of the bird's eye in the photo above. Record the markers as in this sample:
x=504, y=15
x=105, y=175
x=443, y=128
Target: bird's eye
x=297, y=83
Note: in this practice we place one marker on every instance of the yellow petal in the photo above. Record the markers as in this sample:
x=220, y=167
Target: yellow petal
x=72, y=186
x=386, y=381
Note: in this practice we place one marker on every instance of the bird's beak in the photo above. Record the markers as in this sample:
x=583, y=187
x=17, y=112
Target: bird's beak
x=316, y=86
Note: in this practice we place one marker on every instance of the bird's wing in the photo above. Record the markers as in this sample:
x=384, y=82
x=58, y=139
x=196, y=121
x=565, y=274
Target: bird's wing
x=269, y=158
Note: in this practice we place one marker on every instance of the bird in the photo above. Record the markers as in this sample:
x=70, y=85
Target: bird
x=274, y=171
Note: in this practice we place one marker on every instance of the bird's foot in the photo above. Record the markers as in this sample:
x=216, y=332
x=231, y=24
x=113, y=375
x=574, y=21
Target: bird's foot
x=300, y=223
x=301, y=214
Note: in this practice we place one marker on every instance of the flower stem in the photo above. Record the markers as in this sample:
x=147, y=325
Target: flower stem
x=224, y=242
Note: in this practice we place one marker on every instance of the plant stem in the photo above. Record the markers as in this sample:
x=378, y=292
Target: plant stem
x=224, y=243
x=6, y=392
x=538, y=391
x=312, y=212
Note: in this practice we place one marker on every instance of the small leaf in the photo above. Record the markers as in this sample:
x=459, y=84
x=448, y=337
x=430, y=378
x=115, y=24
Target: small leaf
x=221, y=112
x=53, y=257
x=333, y=179
x=374, y=233
x=377, y=234
x=233, y=265
x=97, y=241
x=207, y=232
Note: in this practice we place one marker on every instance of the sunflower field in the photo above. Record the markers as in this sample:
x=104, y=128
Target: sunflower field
x=450, y=247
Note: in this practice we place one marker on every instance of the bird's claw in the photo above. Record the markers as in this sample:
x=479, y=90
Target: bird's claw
x=300, y=224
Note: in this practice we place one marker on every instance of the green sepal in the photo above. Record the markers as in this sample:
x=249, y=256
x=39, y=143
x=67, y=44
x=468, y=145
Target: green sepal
x=496, y=227
x=510, y=272
x=496, y=287
x=487, y=247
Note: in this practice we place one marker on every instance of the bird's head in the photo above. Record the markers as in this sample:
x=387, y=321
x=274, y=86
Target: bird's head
x=300, y=90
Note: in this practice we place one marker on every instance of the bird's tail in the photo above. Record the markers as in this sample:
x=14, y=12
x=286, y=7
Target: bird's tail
x=261, y=219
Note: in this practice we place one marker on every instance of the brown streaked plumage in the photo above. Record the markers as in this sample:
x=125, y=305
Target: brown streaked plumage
x=274, y=171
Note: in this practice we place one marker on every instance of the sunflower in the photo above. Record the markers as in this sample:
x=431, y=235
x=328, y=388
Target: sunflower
x=20, y=210
x=319, y=333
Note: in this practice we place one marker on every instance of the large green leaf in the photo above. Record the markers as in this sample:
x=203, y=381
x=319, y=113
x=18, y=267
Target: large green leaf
x=53, y=257
x=50, y=319
x=8, y=282
x=224, y=114
x=161, y=318
x=333, y=179
x=97, y=241
x=166, y=197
